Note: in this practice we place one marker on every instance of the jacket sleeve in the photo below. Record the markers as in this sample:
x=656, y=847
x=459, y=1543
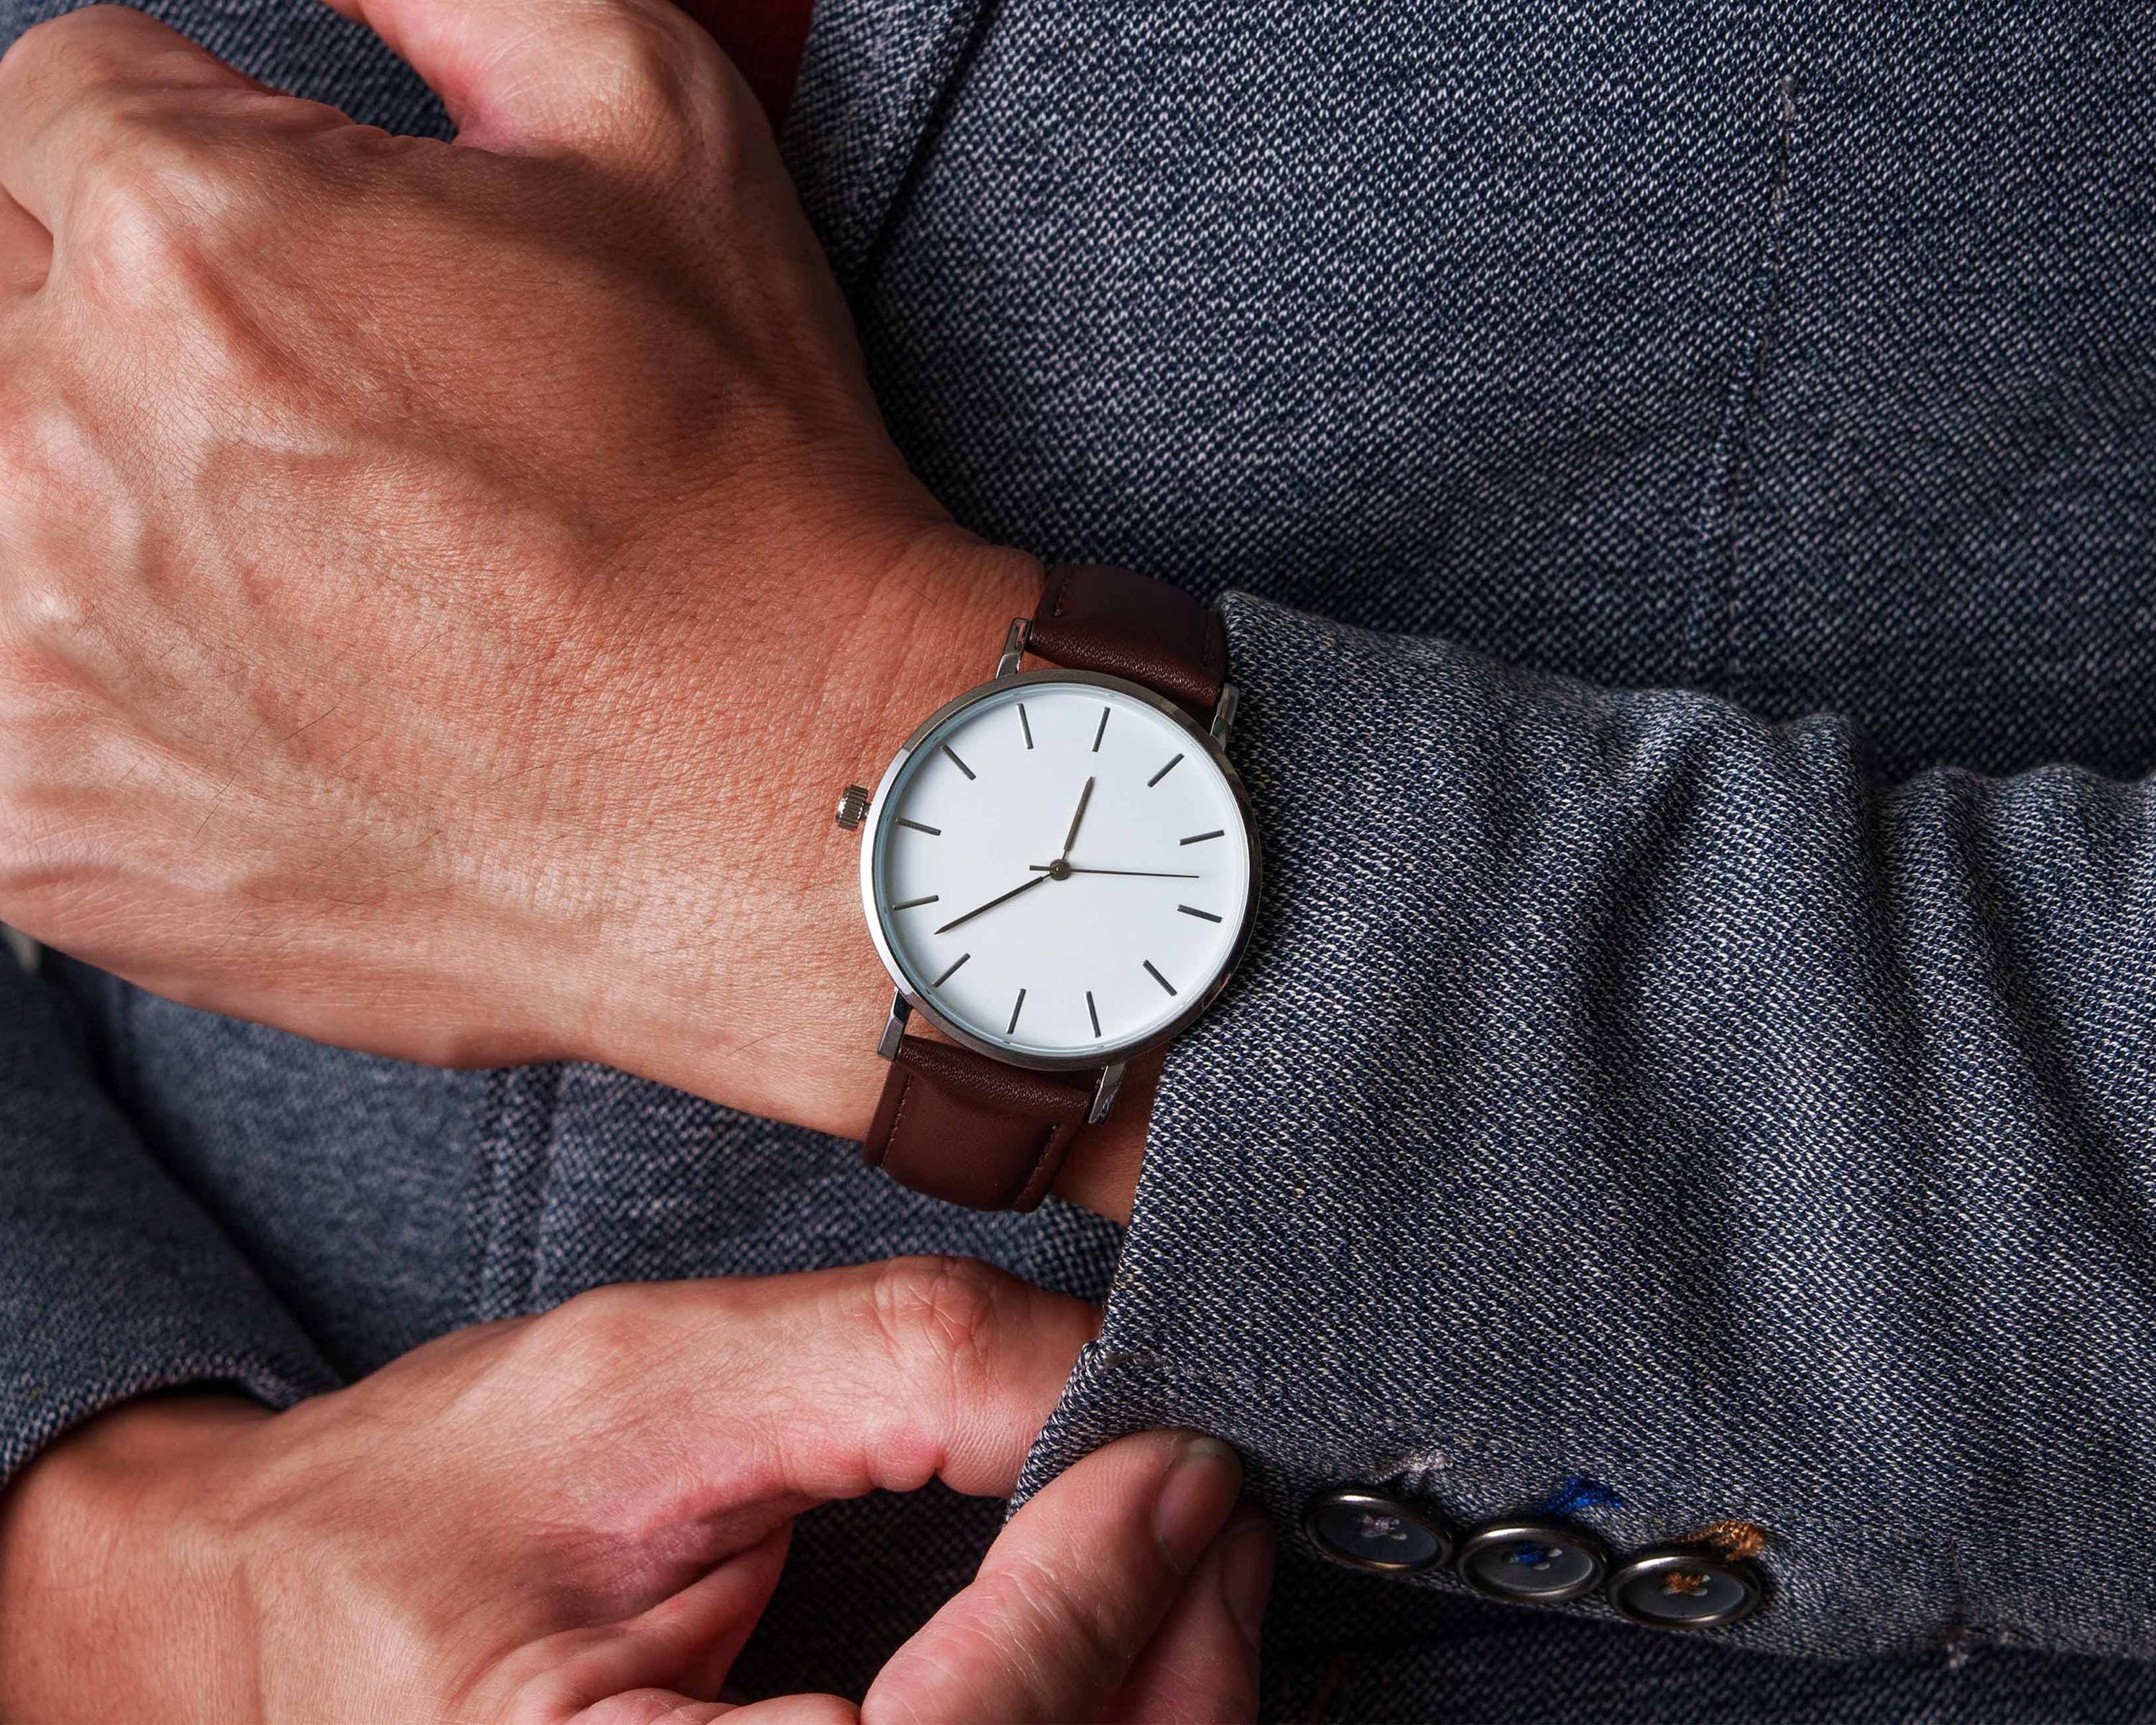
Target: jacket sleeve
x=1629, y=1099
x=112, y=1282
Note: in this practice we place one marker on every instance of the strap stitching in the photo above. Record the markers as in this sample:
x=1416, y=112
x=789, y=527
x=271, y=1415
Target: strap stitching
x=898, y=1119
x=1028, y=1195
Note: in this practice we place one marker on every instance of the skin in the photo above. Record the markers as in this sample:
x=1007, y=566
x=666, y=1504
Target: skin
x=441, y=589
x=604, y=1496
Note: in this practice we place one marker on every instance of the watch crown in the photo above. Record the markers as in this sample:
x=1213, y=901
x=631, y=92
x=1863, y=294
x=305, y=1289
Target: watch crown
x=853, y=806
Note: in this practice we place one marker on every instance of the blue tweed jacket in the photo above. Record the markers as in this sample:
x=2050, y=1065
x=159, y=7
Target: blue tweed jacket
x=1687, y=479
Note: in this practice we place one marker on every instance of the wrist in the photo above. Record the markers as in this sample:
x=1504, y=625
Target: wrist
x=1100, y=1171
x=738, y=969
x=116, y=1551
x=759, y=989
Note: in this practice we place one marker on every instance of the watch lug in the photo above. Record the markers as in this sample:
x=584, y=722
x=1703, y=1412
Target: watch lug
x=894, y=1027
x=1223, y=714
x=1014, y=646
x=1104, y=1093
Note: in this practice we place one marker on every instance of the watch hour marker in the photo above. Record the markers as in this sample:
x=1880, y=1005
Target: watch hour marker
x=1193, y=911
x=918, y=827
x=1100, y=731
x=1162, y=773
x=1198, y=838
x=1011, y=1029
x=951, y=972
x=1157, y=976
x=958, y=763
x=910, y=903
x=1025, y=724
x=1092, y=1012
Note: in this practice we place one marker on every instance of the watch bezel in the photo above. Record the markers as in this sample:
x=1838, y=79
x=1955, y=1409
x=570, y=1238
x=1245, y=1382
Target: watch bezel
x=1114, y=1054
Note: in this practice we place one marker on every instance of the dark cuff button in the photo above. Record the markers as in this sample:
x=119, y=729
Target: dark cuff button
x=1676, y=1588
x=1541, y=1562
x=1366, y=1530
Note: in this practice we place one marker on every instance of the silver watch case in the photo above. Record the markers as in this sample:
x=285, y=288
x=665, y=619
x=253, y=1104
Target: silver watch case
x=1113, y=1058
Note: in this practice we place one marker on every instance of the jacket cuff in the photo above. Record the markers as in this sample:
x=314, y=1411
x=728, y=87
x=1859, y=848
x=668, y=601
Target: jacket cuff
x=1437, y=1200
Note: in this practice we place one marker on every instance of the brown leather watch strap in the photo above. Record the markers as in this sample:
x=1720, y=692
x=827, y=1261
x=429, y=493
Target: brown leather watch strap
x=972, y=1130
x=955, y=1124
x=1096, y=618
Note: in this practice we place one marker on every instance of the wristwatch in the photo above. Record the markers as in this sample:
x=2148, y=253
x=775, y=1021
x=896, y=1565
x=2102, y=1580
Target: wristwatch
x=1059, y=870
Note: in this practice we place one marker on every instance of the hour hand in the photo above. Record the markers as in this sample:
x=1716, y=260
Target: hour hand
x=1038, y=879
x=1070, y=838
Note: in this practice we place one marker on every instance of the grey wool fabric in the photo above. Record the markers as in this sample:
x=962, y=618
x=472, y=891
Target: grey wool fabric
x=1683, y=486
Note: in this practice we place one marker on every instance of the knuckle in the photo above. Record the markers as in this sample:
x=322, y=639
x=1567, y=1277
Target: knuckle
x=136, y=224
x=171, y=265
x=46, y=615
x=939, y=1313
x=50, y=620
x=131, y=136
x=167, y=196
x=169, y=157
x=646, y=49
x=52, y=635
x=651, y=69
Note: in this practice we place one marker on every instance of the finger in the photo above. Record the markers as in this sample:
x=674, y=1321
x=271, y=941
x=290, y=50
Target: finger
x=650, y=1707
x=1201, y=1667
x=784, y=1391
x=657, y=1706
x=709, y=1629
x=77, y=93
x=1071, y=1594
x=682, y=1647
x=614, y=81
x=795, y=1710
x=26, y=250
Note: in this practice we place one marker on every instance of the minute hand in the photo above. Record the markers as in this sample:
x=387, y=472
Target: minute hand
x=1147, y=874
x=1027, y=887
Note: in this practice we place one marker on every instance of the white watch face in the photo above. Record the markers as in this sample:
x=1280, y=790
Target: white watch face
x=1060, y=870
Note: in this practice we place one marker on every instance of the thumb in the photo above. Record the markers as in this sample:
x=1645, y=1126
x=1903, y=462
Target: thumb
x=618, y=81
x=1059, y=1621
x=1201, y=1665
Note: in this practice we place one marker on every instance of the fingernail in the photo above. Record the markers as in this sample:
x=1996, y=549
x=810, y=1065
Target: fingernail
x=1202, y=1486
x=1246, y=1572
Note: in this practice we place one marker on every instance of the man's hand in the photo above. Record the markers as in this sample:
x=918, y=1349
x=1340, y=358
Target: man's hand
x=580, y=1516
x=441, y=585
